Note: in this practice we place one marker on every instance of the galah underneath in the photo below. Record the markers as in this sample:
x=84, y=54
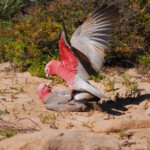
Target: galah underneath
x=84, y=55
x=60, y=101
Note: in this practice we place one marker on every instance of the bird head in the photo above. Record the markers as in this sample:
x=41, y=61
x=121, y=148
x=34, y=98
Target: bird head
x=50, y=68
x=43, y=91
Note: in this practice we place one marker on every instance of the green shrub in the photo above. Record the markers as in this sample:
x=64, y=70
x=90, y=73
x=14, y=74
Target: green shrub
x=10, y=7
x=131, y=36
x=7, y=133
x=97, y=78
x=30, y=39
x=4, y=112
x=145, y=61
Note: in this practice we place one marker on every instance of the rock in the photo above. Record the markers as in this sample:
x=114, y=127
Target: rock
x=60, y=140
x=116, y=125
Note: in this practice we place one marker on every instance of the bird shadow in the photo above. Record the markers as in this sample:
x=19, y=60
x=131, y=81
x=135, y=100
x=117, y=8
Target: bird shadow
x=118, y=106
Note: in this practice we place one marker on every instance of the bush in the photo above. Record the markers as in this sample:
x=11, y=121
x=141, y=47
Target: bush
x=145, y=61
x=30, y=39
x=10, y=7
x=131, y=37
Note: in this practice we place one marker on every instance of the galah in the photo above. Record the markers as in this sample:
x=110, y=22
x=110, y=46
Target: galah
x=60, y=101
x=84, y=55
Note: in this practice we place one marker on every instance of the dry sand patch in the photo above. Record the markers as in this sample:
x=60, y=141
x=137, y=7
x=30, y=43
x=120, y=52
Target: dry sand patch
x=126, y=120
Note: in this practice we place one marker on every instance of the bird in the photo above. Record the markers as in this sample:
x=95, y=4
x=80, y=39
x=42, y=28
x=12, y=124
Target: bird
x=84, y=55
x=60, y=101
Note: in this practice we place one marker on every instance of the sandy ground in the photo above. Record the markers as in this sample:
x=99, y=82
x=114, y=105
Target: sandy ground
x=126, y=119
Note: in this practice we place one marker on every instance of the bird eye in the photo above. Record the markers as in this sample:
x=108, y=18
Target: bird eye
x=47, y=70
x=44, y=88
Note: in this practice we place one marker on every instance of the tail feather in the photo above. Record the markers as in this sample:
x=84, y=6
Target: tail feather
x=89, y=88
x=82, y=96
x=81, y=85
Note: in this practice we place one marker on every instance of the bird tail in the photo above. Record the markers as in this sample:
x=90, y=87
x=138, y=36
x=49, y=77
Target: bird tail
x=89, y=88
x=81, y=85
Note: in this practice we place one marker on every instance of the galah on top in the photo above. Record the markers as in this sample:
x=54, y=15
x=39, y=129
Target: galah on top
x=60, y=101
x=83, y=56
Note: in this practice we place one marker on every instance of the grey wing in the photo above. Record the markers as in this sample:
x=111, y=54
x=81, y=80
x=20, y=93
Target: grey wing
x=90, y=40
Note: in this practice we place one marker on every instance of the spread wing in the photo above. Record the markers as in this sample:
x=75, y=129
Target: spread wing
x=90, y=40
x=70, y=57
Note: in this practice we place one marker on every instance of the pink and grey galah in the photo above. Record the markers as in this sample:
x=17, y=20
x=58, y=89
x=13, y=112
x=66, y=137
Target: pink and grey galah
x=60, y=101
x=84, y=55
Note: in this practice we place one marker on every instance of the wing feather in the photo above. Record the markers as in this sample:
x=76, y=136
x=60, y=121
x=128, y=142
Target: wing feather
x=67, y=56
x=92, y=39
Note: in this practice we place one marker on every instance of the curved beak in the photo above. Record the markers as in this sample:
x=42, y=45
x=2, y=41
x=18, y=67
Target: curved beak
x=47, y=75
x=48, y=85
x=52, y=83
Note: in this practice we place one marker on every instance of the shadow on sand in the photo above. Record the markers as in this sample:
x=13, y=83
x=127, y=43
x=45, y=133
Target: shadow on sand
x=117, y=107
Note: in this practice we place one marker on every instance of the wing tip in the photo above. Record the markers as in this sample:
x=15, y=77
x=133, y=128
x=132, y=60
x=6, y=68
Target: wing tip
x=114, y=9
x=64, y=34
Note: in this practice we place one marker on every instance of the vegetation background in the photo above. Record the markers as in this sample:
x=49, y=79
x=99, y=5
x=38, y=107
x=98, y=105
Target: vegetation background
x=30, y=29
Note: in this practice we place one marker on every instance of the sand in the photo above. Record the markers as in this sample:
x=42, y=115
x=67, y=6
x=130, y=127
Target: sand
x=126, y=119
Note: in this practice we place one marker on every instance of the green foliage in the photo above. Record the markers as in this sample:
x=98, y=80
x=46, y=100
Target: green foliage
x=9, y=7
x=146, y=106
x=30, y=41
x=131, y=37
x=69, y=125
x=145, y=61
x=122, y=134
x=126, y=80
x=97, y=78
x=30, y=38
x=58, y=80
x=109, y=84
x=131, y=86
x=8, y=133
x=37, y=69
x=89, y=125
x=4, y=112
x=45, y=119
